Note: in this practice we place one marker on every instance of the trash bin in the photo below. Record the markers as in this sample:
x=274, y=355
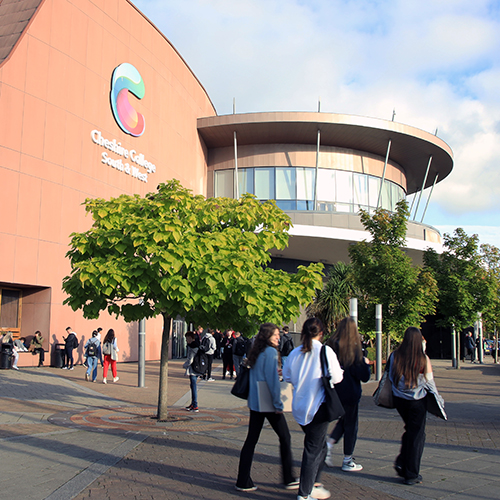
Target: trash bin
x=5, y=359
x=58, y=356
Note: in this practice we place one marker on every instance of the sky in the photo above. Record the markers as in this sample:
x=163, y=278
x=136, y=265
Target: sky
x=435, y=63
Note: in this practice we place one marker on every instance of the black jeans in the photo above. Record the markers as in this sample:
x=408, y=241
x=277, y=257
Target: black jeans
x=314, y=453
x=227, y=364
x=208, y=373
x=279, y=425
x=41, y=352
x=414, y=414
x=347, y=426
x=69, y=358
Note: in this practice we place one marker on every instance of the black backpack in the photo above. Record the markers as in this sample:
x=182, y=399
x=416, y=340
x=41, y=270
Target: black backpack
x=91, y=350
x=200, y=362
x=287, y=346
x=240, y=346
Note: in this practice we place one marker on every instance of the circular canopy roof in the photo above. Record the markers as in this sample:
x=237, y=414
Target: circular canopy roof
x=411, y=148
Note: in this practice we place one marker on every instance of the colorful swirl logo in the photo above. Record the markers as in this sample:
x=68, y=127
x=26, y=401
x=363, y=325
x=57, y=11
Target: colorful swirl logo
x=126, y=79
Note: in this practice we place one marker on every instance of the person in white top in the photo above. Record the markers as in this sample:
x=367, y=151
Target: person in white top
x=303, y=371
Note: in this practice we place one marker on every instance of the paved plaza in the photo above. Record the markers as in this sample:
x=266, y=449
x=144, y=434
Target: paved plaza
x=64, y=438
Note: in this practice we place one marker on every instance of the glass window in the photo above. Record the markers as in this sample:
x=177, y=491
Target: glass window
x=287, y=204
x=264, y=183
x=373, y=188
x=245, y=181
x=386, y=196
x=305, y=183
x=224, y=183
x=344, y=187
x=326, y=185
x=285, y=184
x=305, y=205
x=397, y=195
x=360, y=184
x=9, y=308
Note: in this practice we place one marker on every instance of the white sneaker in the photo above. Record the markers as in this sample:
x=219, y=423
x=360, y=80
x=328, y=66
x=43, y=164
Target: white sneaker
x=320, y=492
x=87, y=376
x=15, y=368
x=71, y=368
x=115, y=379
x=211, y=379
x=104, y=381
x=351, y=466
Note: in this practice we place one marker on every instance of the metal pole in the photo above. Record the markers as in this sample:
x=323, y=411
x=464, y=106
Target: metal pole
x=429, y=197
x=353, y=309
x=236, y=189
x=383, y=173
x=142, y=354
x=453, y=348
x=480, y=351
x=457, y=348
x=378, y=332
x=316, y=173
x=423, y=186
x=495, y=339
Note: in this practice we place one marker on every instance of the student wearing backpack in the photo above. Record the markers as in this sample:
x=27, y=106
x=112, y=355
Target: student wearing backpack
x=286, y=345
x=193, y=346
x=71, y=342
x=92, y=348
x=239, y=351
x=208, y=345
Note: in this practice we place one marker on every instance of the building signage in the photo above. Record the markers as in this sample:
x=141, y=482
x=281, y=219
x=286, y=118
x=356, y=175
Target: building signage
x=136, y=159
x=127, y=80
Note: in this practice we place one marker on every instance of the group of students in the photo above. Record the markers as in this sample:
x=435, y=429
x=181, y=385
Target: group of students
x=409, y=370
x=94, y=353
x=15, y=346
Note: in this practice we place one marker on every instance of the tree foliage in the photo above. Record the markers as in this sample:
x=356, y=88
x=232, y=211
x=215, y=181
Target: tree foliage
x=385, y=275
x=173, y=253
x=331, y=303
x=490, y=255
x=465, y=286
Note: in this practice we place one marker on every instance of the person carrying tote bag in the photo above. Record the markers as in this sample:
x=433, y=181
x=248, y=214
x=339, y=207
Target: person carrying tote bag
x=263, y=369
x=303, y=370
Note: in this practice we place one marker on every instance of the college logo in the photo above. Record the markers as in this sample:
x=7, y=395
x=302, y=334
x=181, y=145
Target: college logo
x=127, y=80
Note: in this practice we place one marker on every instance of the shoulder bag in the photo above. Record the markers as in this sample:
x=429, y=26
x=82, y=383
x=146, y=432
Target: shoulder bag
x=241, y=387
x=334, y=407
x=383, y=394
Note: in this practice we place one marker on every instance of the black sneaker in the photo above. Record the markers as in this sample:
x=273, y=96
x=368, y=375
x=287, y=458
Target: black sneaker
x=195, y=409
x=413, y=480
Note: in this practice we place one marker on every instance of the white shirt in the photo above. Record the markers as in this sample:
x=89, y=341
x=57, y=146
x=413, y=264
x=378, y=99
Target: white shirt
x=303, y=371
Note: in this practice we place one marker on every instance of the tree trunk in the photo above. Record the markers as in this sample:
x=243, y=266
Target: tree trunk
x=162, y=394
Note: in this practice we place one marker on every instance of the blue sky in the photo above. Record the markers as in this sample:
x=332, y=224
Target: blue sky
x=435, y=62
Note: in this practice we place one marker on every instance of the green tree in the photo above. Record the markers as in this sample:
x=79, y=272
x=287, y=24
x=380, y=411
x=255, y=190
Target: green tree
x=385, y=275
x=172, y=253
x=331, y=303
x=465, y=287
x=490, y=255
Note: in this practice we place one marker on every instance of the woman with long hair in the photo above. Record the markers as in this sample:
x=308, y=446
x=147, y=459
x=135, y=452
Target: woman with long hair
x=265, y=380
x=346, y=343
x=409, y=372
x=303, y=370
x=110, y=351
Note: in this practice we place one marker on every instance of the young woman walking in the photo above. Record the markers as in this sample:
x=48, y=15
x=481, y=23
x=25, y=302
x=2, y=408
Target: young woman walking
x=110, y=351
x=346, y=343
x=303, y=369
x=264, y=377
x=410, y=371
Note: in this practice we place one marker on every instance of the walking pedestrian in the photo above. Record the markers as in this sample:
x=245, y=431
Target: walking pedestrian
x=239, y=351
x=263, y=362
x=346, y=343
x=193, y=345
x=410, y=371
x=92, y=348
x=209, y=345
x=110, y=351
x=303, y=370
x=227, y=354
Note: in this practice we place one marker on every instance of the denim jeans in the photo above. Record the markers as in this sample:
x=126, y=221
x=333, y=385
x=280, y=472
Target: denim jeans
x=279, y=425
x=194, y=389
x=92, y=367
x=314, y=453
x=237, y=362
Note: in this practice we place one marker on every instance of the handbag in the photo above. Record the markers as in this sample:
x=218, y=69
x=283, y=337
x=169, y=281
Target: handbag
x=334, y=408
x=383, y=394
x=241, y=387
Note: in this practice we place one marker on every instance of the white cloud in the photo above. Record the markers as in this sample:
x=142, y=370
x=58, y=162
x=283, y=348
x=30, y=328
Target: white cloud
x=436, y=63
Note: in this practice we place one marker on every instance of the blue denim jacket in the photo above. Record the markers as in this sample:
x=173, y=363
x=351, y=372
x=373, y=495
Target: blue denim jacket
x=265, y=369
